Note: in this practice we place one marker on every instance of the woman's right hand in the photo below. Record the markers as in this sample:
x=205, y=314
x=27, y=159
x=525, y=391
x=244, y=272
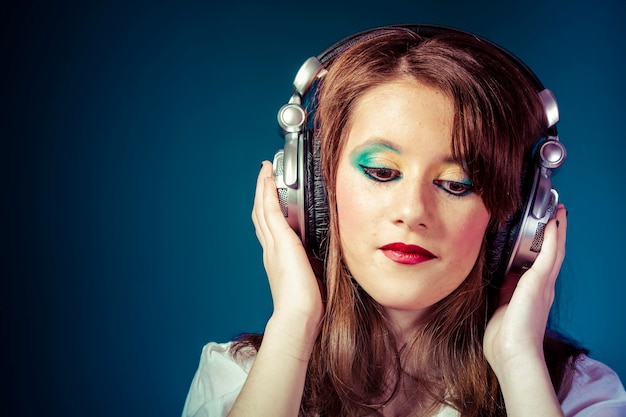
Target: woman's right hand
x=294, y=287
x=275, y=383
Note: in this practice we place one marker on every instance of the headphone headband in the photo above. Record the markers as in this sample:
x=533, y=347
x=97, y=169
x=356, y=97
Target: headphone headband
x=302, y=191
x=425, y=31
x=315, y=67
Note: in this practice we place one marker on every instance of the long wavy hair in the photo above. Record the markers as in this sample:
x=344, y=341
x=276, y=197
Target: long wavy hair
x=357, y=367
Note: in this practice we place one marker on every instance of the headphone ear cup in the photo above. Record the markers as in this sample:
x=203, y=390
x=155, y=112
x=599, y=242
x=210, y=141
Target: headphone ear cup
x=316, y=203
x=502, y=241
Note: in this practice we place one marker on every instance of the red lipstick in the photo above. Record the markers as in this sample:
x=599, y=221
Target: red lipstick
x=406, y=254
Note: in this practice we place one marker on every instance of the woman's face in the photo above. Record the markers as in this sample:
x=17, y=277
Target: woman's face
x=411, y=228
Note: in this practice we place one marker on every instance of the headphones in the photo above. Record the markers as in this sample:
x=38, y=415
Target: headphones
x=301, y=190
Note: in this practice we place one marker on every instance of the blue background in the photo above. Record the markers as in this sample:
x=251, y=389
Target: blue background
x=131, y=139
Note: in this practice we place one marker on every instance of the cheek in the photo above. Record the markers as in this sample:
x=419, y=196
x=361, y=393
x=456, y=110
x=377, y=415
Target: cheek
x=356, y=211
x=469, y=233
x=349, y=209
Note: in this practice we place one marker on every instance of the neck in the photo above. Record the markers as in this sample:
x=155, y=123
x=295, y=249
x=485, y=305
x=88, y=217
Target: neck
x=404, y=323
x=408, y=401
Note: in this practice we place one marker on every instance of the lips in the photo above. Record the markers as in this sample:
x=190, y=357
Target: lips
x=406, y=254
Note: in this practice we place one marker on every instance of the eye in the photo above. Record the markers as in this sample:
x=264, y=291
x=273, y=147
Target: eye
x=381, y=174
x=455, y=188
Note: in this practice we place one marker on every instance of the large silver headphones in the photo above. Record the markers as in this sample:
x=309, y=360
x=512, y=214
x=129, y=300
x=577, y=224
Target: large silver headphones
x=301, y=189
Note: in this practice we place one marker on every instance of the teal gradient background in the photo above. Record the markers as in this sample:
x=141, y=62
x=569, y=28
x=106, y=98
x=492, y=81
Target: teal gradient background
x=132, y=134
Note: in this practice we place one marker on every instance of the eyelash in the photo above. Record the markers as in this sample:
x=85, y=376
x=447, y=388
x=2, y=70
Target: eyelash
x=381, y=174
x=461, y=190
x=454, y=188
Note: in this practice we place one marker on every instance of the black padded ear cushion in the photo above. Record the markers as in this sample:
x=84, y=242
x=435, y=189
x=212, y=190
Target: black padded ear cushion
x=500, y=246
x=500, y=243
x=316, y=208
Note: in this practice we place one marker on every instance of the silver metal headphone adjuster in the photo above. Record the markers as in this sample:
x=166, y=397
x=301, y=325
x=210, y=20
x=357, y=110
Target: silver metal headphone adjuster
x=552, y=154
x=308, y=72
x=550, y=106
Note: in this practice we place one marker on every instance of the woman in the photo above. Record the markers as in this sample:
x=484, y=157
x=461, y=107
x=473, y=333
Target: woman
x=420, y=140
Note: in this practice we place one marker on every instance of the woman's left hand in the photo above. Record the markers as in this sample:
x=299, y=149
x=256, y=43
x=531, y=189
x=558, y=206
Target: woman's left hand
x=516, y=331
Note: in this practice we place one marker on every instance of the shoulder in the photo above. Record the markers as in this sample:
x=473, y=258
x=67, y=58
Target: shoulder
x=218, y=380
x=595, y=390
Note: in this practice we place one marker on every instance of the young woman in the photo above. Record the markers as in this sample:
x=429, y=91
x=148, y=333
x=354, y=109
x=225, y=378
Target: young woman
x=423, y=142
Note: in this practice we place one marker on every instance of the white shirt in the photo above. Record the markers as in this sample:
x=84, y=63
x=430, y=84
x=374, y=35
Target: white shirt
x=596, y=390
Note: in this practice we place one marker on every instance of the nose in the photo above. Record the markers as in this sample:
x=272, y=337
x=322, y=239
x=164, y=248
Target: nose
x=413, y=204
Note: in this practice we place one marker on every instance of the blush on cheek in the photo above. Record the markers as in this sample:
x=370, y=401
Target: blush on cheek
x=352, y=207
x=471, y=235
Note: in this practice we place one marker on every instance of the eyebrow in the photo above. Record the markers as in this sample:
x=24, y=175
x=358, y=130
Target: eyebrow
x=379, y=144
x=376, y=145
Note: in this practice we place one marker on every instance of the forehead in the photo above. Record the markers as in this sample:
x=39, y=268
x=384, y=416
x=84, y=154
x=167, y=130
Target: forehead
x=403, y=114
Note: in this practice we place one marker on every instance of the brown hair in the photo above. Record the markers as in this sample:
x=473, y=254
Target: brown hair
x=356, y=367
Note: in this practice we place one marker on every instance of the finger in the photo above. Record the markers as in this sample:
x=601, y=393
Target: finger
x=258, y=218
x=561, y=221
x=541, y=277
x=273, y=214
x=556, y=243
x=553, y=246
x=540, y=273
x=547, y=265
x=256, y=207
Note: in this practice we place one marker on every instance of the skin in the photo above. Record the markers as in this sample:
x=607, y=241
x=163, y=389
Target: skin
x=402, y=130
x=513, y=339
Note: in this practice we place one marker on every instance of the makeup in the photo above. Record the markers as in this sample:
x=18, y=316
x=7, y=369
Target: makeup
x=455, y=188
x=377, y=161
x=370, y=154
x=406, y=254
